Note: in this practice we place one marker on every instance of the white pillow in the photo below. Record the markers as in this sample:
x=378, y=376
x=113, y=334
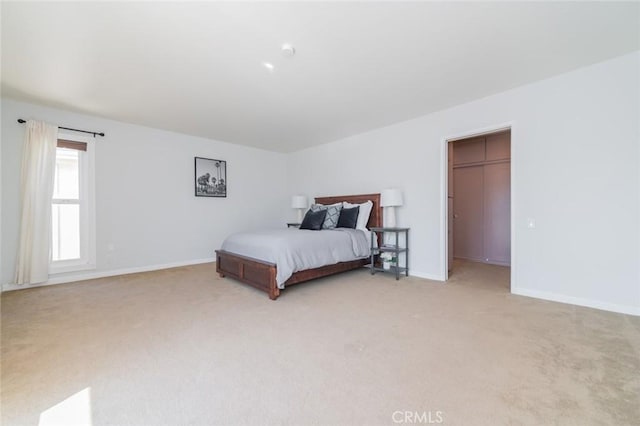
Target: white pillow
x=363, y=213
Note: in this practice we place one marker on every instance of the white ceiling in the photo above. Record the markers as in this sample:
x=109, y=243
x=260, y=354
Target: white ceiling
x=196, y=68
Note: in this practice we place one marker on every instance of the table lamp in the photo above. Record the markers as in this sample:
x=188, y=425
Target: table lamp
x=299, y=202
x=390, y=199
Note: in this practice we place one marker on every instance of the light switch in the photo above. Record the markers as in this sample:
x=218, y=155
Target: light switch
x=531, y=223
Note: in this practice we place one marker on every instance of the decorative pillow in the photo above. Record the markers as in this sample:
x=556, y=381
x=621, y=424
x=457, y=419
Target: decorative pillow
x=348, y=217
x=313, y=220
x=333, y=213
x=365, y=212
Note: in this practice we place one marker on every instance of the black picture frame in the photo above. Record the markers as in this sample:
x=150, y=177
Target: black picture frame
x=210, y=177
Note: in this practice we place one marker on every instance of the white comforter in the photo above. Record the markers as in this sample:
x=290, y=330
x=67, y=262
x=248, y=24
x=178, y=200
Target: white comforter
x=295, y=250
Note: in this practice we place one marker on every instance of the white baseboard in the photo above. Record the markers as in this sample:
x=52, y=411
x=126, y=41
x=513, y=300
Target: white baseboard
x=102, y=274
x=426, y=275
x=554, y=297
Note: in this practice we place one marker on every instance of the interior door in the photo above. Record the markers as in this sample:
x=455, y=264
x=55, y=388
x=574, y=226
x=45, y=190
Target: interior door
x=468, y=210
x=497, y=213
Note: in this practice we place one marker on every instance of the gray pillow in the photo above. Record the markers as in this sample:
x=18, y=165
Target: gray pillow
x=333, y=214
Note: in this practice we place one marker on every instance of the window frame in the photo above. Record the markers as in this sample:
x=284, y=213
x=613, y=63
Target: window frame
x=86, y=201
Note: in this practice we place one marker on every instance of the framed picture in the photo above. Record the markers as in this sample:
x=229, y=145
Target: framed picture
x=210, y=177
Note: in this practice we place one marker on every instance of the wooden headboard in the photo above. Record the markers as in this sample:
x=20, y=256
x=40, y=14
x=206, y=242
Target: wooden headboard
x=375, y=219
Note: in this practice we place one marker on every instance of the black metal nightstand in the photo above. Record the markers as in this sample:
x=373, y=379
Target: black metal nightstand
x=293, y=225
x=391, y=248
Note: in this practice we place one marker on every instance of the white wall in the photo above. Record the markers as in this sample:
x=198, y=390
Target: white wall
x=575, y=162
x=145, y=197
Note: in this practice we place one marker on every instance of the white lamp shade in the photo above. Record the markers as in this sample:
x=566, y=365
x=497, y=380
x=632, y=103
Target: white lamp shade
x=391, y=197
x=299, y=202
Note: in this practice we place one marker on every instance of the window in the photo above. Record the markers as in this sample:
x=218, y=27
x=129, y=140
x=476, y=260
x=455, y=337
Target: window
x=72, y=206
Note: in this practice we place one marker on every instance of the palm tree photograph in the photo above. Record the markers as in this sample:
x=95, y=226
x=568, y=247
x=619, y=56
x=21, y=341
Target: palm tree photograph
x=210, y=177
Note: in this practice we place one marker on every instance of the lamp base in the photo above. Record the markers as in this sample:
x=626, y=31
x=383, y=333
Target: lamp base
x=390, y=217
x=389, y=222
x=300, y=215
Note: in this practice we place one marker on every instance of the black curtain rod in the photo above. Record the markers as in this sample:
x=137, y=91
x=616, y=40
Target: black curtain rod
x=21, y=121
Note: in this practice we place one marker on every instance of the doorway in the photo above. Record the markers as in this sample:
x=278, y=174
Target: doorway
x=479, y=200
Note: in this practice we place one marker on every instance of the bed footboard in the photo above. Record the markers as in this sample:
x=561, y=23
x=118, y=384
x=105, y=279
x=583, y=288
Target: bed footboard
x=262, y=275
x=257, y=273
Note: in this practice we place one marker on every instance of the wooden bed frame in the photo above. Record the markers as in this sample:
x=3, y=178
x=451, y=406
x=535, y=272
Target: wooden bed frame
x=262, y=275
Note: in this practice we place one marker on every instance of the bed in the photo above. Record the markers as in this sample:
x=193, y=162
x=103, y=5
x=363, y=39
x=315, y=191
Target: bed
x=262, y=274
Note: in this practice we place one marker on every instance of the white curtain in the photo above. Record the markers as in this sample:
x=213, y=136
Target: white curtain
x=36, y=186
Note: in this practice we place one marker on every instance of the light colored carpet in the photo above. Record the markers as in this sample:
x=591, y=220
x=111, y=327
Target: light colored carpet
x=182, y=346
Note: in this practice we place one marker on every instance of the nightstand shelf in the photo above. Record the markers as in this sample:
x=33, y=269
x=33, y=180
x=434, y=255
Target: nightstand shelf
x=391, y=249
x=396, y=249
x=396, y=270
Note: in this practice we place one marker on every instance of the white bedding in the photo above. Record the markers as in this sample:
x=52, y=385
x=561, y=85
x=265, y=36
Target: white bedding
x=294, y=250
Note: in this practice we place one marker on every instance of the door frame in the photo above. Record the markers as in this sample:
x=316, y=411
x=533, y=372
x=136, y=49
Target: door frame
x=444, y=191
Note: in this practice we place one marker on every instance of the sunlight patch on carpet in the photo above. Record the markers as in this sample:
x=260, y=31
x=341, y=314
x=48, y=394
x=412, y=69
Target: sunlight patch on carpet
x=73, y=411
